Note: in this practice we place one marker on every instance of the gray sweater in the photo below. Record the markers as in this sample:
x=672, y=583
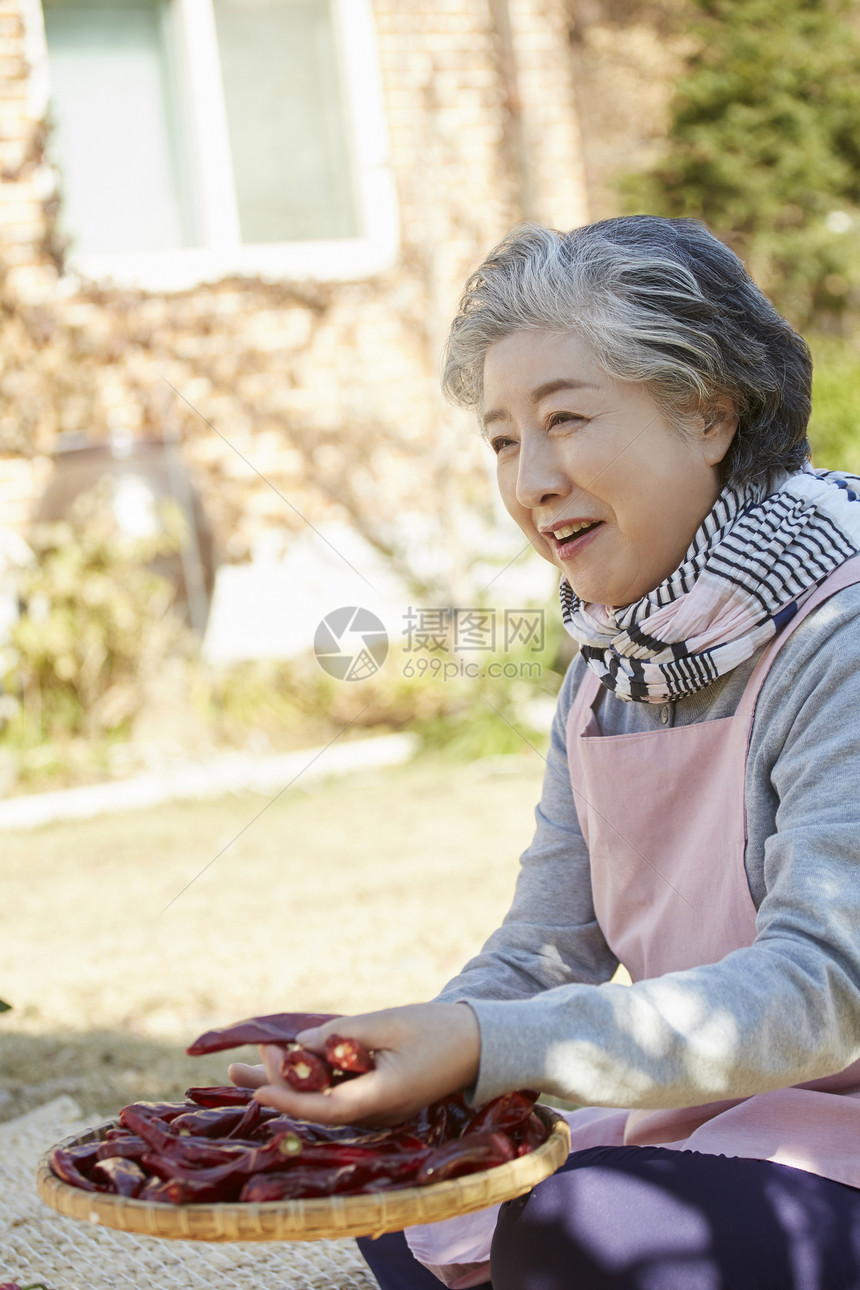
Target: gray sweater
x=781, y=1012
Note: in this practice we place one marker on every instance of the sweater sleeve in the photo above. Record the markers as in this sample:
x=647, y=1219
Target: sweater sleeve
x=782, y=1011
x=550, y=936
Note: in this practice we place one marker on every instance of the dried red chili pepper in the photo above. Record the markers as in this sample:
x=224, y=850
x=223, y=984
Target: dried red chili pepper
x=84, y=1155
x=349, y=1153
x=348, y=1055
x=253, y=1115
x=189, y=1191
x=299, y=1182
x=268, y=1128
x=124, y=1177
x=431, y=1124
x=194, y=1151
x=458, y=1116
x=189, y=1148
x=277, y=1028
x=239, y=1161
x=532, y=1133
x=64, y=1165
x=465, y=1155
x=154, y=1189
x=402, y=1142
x=220, y=1095
x=156, y=1133
x=222, y=1182
x=502, y=1114
x=165, y=1111
x=306, y=1071
x=129, y=1146
x=210, y=1121
x=199, y=1153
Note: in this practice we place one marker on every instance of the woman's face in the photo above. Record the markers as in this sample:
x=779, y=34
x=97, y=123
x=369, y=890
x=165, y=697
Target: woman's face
x=596, y=476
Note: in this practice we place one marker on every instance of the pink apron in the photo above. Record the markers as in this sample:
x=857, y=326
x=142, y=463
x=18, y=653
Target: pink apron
x=663, y=815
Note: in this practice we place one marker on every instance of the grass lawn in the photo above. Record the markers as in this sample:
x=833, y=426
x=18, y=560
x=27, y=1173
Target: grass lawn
x=344, y=896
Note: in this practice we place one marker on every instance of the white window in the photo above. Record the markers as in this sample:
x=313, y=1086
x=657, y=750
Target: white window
x=198, y=138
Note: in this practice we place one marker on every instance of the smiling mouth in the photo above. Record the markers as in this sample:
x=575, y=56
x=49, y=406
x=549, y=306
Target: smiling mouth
x=568, y=539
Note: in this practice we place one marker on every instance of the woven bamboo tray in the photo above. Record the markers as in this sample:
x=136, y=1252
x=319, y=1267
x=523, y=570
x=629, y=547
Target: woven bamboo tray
x=308, y=1220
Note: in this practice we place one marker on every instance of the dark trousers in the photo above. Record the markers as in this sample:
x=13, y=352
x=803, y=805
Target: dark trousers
x=645, y=1218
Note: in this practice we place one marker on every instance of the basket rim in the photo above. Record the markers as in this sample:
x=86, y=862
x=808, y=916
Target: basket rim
x=361, y=1214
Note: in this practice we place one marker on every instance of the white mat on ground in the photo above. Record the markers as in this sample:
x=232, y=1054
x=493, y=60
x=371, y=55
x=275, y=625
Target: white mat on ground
x=37, y=1244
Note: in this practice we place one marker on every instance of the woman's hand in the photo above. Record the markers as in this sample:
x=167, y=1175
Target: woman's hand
x=424, y=1051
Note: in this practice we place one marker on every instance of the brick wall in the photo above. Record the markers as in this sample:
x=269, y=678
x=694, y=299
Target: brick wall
x=330, y=391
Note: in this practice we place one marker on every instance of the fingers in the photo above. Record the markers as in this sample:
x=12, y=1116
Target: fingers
x=422, y=1051
x=375, y=1098
x=245, y=1076
x=369, y=1027
x=346, y=1104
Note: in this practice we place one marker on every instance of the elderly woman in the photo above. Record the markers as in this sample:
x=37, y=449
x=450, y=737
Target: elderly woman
x=700, y=817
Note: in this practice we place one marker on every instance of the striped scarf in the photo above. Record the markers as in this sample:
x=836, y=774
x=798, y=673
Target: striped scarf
x=755, y=558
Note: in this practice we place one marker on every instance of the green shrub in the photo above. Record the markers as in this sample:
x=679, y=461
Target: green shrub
x=764, y=147
x=94, y=622
x=834, y=430
x=452, y=700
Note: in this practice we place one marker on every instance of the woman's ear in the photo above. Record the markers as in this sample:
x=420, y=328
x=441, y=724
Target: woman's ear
x=719, y=425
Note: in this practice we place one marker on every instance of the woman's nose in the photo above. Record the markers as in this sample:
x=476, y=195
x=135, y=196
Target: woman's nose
x=540, y=475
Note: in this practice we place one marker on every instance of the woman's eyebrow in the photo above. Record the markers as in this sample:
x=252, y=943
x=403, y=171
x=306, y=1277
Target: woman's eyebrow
x=541, y=392
x=563, y=383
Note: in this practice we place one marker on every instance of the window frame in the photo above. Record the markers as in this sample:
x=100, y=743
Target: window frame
x=224, y=255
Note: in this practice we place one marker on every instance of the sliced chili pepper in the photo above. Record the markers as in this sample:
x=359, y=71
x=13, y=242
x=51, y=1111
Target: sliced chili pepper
x=220, y=1095
x=129, y=1147
x=348, y=1055
x=465, y=1155
x=277, y=1028
x=298, y=1182
x=306, y=1071
x=503, y=1113
x=124, y=1177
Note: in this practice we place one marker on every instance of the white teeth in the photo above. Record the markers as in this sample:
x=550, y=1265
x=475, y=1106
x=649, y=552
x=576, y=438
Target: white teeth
x=570, y=529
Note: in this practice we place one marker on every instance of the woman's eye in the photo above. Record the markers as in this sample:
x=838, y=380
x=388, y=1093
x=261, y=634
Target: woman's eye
x=499, y=442
x=562, y=418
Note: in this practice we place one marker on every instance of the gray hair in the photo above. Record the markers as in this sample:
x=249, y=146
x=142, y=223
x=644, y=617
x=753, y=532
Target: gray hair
x=659, y=301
